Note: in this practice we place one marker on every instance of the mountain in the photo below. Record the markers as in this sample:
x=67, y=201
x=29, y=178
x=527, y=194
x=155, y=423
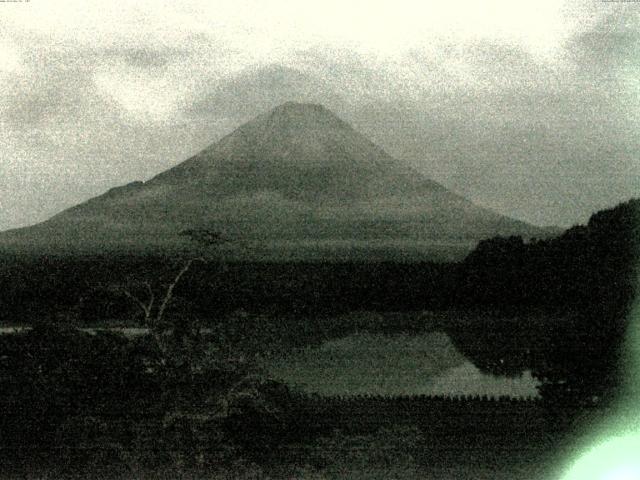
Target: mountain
x=243, y=96
x=294, y=176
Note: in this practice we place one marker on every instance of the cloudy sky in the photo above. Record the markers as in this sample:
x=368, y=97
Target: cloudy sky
x=531, y=108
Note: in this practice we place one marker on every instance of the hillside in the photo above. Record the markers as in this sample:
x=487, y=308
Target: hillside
x=294, y=174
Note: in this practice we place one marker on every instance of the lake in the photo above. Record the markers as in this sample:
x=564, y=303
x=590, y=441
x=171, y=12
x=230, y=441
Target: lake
x=377, y=364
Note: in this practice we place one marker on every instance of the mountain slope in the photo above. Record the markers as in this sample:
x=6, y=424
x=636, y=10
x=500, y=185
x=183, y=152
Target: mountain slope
x=296, y=173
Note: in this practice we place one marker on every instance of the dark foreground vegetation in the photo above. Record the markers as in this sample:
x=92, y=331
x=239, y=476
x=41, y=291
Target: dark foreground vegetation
x=182, y=400
x=102, y=405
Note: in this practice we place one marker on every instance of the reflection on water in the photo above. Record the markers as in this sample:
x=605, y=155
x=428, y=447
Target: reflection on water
x=386, y=365
x=362, y=364
x=468, y=380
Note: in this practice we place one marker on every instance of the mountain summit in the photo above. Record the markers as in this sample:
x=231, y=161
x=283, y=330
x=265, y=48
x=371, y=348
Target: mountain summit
x=301, y=151
x=296, y=174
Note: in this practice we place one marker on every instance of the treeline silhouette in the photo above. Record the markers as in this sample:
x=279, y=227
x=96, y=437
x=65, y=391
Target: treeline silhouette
x=86, y=289
x=580, y=286
x=588, y=267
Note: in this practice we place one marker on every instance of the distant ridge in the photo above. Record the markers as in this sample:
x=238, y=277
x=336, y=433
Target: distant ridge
x=297, y=174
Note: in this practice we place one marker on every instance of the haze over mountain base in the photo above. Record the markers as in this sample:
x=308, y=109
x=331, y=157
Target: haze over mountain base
x=295, y=176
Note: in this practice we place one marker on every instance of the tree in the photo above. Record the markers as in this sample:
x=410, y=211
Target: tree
x=153, y=306
x=580, y=285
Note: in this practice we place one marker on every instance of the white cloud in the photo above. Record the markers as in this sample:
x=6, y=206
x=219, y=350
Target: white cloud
x=143, y=96
x=10, y=60
x=92, y=83
x=269, y=29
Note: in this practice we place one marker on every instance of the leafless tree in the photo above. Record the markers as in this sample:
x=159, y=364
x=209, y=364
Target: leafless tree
x=154, y=306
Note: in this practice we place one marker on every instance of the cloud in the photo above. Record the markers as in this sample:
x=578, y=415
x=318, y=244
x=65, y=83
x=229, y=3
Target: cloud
x=144, y=95
x=10, y=60
x=530, y=109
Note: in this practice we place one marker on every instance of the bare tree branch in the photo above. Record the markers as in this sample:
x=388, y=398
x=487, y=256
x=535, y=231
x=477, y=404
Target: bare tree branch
x=145, y=307
x=154, y=317
x=169, y=295
x=152, y=297
x=136, y=300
